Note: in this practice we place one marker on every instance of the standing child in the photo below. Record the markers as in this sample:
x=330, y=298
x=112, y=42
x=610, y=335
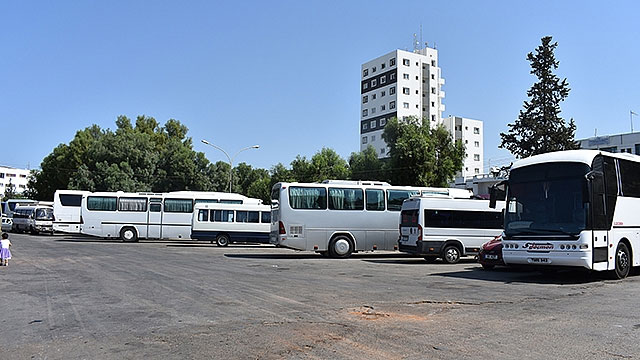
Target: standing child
x=5, y=254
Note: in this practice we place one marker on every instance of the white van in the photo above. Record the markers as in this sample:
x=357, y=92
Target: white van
x=439, y=227
x=33, y=218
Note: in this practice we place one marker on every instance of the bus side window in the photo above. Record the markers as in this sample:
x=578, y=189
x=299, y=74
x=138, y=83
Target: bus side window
x=203, y=215
x=155, y=207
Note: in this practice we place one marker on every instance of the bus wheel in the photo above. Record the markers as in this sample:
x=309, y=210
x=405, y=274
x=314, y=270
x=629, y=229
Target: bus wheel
x=340, y=247
x=222, y=240
x=451, y=254
x=128, y=234
x=623, y=262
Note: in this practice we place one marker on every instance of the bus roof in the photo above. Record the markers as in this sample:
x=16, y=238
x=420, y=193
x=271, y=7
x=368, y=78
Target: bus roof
x=581, y=156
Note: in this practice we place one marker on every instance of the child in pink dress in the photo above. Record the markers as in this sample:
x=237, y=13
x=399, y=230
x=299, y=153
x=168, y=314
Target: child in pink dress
x=5, y=253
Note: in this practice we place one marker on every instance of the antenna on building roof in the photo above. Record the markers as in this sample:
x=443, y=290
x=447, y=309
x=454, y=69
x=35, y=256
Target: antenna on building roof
x=421, y=35
x=416, y=44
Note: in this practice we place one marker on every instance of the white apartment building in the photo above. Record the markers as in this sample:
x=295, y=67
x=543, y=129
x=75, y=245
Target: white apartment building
x=470, y=133
x=16, y=177
x=399, y=84
x=619, y=143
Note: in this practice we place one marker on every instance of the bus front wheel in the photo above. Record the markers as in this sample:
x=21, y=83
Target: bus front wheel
x=222, y=240
x=128, y=234
x=623, y=262
x=340, y=247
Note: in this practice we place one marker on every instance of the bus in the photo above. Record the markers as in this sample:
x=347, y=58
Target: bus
x=337, y=218
x=10, y=205
x=133, y=216
x=447, y=228
x=33, y=218
x=66, y=208
x=575, y=208
x=230, y=223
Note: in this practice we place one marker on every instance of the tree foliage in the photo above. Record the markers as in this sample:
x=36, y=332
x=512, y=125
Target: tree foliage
x=365, y=165
x=421, y=155
x=539, y=127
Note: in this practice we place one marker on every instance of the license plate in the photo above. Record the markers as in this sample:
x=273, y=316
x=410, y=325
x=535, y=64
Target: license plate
x=491, y=257
x=539, y=260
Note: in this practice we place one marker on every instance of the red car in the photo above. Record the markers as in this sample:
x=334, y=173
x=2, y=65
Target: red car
x=490, y=253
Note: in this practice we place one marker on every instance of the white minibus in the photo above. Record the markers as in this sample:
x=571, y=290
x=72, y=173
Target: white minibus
x=230, y=223
x=33, y=218
x=447, y=228
x=337, y=218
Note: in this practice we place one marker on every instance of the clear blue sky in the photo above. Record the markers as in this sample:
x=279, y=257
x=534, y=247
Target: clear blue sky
x=285, y=74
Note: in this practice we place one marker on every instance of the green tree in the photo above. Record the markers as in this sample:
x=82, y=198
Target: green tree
x=539, y=127
x=365, y=165
x=327, y=164
x=420, y=155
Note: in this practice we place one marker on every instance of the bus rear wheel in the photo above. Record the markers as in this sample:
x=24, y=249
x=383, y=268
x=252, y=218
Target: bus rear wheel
x=623, y=262
x=222, y=240
x=451, y=254
x=340, y=247
x=128, y=234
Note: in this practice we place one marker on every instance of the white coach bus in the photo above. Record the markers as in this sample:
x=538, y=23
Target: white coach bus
x=337, y=218
x=447, y=228
x=230, y=223
x=66, y=209
x=133, y=216
x=574, y=208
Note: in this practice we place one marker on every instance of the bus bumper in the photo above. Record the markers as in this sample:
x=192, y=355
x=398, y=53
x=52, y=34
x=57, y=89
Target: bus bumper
x=554, y=258
x=422, y=248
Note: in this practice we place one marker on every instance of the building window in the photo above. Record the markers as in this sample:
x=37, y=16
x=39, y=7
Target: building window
x=373, y=138
x=382, y=151
x=365, y=112
x=433, y=90
x=373, y=96
x=382, y=93
x=374, y=82
x=476, y=130
x=373, y=110
x=392, y=76
x=405, y=105
x=433, y=104
x=406, y=62
x=416, y=92
x=382, y=108
x=433, y=118
x=433, y=63
x=392, y=90
x=373, y=69
x=365, y=99
x=476, y=143
x=372, y=124
x=382, y=65
x=383, y=80
x=405, y=76
x=476, y=170
x=476, y=157
x=365, y=126
x=466, y=141
x=365, y=72
x=365, y=86
x=417, y=77
x=637, y=149
x=383, y=122
x=392, y=105
x=406, y=91
x=392, y=61
x=433, y=76
x=364, y=139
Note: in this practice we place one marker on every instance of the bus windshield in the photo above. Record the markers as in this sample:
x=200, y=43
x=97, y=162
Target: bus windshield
x=547, y=199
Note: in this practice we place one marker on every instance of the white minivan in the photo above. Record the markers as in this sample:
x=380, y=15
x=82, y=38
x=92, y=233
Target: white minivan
x=33, y=218
x=446, y=228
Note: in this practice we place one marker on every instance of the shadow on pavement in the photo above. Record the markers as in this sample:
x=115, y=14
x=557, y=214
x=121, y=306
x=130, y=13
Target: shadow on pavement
x=413, y=260
x=209, y=245
x=306, y=255
x=510, y=275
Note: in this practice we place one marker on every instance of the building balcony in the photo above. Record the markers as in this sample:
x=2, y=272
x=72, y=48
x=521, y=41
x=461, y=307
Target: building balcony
x=441, y=81
x=441, y=94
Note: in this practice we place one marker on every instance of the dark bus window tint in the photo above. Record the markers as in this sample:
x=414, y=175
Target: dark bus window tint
x=375, y=200
x=253, y=217
x=346, y=199
x=155, y=207
x=178, y=205
x=463, y=219
x=630, y=176
x=409, y=218
x=396, y=197
x=308, y=198
x=203, y=215
x=102, y=203
x=70, y=200
x=223, y=215
x=230, y=201
x=241, y=216
x=266, y=217
x=132, y=204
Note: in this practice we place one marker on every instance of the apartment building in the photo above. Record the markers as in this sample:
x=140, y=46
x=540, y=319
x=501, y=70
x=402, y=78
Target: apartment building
x=14, y=176
x=619, y=143
x=470, y=133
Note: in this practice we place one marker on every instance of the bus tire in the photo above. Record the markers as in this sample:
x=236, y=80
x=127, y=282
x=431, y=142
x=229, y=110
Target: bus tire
x=222, y=240
x=451, y=254
x=340, y=247
x=128, y=234
x=622, y=261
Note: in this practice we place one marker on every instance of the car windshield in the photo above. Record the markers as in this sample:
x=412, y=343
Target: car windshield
x=44, y=214
x=547, y=199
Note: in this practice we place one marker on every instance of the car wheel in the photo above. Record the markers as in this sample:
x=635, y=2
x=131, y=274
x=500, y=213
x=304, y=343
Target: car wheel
x=622, y=260
x=128, y=234
x=340, y=247
x=451, y=254
x=222, y=240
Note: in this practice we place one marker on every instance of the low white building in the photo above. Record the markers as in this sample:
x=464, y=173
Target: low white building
x=619, y=143
x=13, y=176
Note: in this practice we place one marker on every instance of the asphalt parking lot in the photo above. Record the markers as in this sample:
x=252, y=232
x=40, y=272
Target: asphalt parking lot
x=64, y=297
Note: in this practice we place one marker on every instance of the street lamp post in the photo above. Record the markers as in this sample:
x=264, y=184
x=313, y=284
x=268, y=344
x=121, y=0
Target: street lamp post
x=229, y=157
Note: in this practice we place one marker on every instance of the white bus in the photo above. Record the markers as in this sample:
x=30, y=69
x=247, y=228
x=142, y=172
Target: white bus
x=10, y=205
x=230, y=223
x=133, y=216
x=66, y=208
x=32, y=218
x=574, y=208
x=447, y=228
x=337, y=218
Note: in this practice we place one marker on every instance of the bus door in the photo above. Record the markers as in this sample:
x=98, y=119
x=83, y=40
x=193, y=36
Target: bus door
x=603, y=190
x=154, y=220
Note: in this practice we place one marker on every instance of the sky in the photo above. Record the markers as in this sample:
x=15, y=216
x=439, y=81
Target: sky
x=286, y=74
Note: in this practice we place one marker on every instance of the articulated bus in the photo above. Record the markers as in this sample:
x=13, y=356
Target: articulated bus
x=133, y=216
x=574, y=208
x=337, y=218
x=230, y=223
x=66, y=208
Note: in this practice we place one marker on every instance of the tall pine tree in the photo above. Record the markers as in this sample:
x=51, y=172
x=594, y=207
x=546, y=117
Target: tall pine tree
x=539, y=128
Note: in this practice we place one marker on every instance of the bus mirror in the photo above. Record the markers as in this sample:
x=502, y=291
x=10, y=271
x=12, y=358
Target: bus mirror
x=591, y=175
